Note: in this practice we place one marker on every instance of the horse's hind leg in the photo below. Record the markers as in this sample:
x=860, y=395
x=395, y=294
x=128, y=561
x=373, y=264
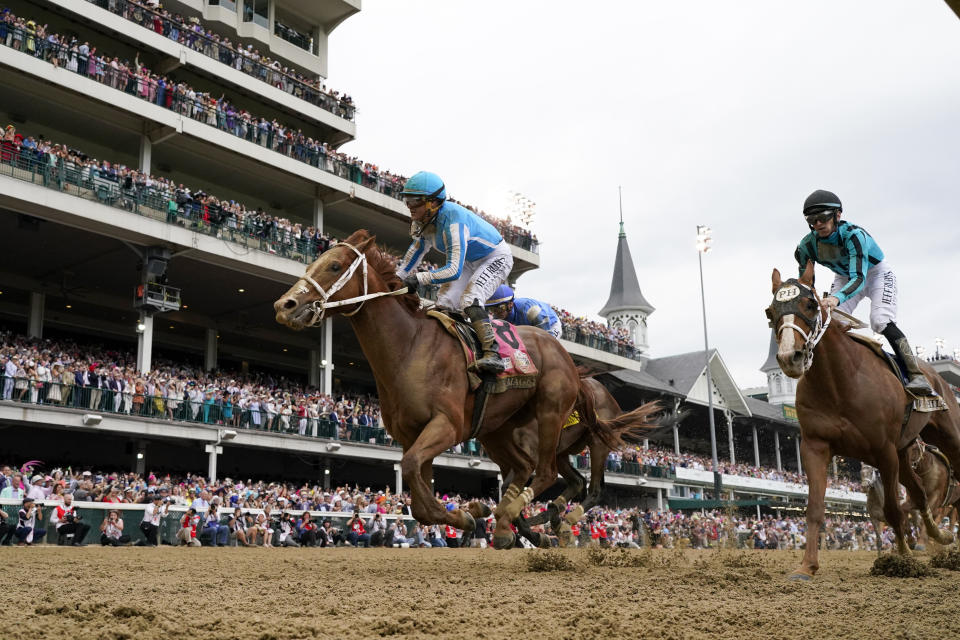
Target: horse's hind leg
x=889, y=467
x=918, y=496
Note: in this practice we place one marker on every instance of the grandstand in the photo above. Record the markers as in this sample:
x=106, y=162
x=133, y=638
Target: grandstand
x=164, y=227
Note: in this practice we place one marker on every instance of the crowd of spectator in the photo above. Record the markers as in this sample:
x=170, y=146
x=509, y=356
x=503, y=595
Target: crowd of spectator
x=596, y=334
x=61, y=372
x=262, y=513
x=656, y=456
x=64, y=373
x=137, y=80
x=193, y=34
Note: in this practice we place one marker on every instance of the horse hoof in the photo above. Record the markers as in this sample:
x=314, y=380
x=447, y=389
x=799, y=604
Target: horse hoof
x=504, y=541
x=799, y=576
x=544, y=541
x=574, y=516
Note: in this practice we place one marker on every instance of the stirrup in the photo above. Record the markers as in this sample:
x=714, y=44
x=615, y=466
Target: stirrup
x=920, y=385
x=490, y=364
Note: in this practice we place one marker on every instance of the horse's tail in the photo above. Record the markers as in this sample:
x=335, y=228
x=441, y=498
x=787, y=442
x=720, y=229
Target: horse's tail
x=616, y=433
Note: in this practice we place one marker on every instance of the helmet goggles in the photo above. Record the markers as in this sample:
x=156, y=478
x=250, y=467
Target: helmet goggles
x=821, y=216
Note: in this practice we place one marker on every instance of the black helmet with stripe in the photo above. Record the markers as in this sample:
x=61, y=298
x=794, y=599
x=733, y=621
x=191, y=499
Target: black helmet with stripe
x=821, y=201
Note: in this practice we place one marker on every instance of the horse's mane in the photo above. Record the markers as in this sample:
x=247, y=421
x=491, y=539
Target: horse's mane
x=386, y=268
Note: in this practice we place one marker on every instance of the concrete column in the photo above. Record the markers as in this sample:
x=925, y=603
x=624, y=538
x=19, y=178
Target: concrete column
x=35, y=315
x=499, y=487
x=756, y=448
x=144, y=342
x=646, y=444
x=796, y=441
x=399, y=477
x=140, y=458
x=327, y=362
x=659, y=499
x=210, y=353
x=313, y=368
x=676, y=427
x=212, y=463
x=326, y=475
x=729, y=416
x=835, y=474
x=776, y=448
x=146, y=153
x=318, y=214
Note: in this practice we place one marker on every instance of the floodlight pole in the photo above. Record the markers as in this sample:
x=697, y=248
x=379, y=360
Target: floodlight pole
x=703, y=236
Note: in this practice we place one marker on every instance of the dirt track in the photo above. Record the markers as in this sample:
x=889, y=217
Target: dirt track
x=265, y=594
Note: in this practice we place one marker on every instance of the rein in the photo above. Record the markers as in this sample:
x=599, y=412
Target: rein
x=318, y=307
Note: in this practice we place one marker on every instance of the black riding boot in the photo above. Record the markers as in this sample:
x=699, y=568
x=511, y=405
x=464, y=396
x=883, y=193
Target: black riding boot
x=916, y=382
x=490, y=362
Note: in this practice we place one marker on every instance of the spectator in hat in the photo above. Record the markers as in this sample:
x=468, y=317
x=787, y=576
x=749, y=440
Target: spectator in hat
x=219, y=533
x=27, y=530
x=156, y=508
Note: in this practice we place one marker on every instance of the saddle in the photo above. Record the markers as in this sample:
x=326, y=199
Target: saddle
x=519, y=372
x=923, y=404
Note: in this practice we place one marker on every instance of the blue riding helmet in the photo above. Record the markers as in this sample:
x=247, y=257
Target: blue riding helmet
x=501, y=295
x=425, y=185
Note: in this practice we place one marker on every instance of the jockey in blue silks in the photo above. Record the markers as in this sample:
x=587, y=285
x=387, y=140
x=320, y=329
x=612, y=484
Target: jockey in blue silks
x=504, y=305
x=860, y=272
x=477, y=258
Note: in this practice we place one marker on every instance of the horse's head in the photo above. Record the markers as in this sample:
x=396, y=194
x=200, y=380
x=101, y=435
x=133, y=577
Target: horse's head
x=796, y=318
x=868, y=475
x=335, y=278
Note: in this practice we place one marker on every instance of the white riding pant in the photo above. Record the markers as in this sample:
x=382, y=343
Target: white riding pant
x=880, y=288
x=556, y=329
x=478, y=280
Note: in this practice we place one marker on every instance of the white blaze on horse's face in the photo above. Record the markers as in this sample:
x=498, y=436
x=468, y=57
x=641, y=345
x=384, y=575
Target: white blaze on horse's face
x=786, y=343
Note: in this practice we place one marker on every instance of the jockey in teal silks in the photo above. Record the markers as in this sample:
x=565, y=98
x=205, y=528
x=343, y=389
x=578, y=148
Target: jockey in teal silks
x=860, y=272
x=477, y=258
x=504, y=305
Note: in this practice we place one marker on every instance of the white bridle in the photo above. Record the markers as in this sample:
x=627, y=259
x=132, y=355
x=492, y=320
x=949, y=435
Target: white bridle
x=811, y=339
x=319, y=307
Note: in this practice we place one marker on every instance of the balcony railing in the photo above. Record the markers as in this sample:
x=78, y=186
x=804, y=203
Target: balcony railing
x=627, y=467
x=156, y=203
x=191, y=38
x=574, y=334
x=292, y=36
x=212, y=410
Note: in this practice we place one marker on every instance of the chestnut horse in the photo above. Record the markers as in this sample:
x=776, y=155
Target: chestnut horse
x=849, y=403
x=939, y=485
x=424, y=393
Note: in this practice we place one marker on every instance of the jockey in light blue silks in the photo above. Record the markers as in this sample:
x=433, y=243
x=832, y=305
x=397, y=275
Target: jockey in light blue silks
x=504, y=305
x=478, y=259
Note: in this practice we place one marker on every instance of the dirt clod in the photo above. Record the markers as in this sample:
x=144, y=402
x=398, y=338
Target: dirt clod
x=549, y=560
x=894, y=565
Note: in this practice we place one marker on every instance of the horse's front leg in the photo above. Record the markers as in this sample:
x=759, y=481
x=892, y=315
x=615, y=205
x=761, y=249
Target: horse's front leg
x=417, y=468
x=815, y=455
x=909, y=479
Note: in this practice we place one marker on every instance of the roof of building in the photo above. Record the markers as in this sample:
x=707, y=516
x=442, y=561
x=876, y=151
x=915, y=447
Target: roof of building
x=769, y=412
x=771, y=362
x=625, y=288
x=679, y=375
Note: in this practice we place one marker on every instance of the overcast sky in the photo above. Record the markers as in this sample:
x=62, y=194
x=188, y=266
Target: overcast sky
x=724, y=114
